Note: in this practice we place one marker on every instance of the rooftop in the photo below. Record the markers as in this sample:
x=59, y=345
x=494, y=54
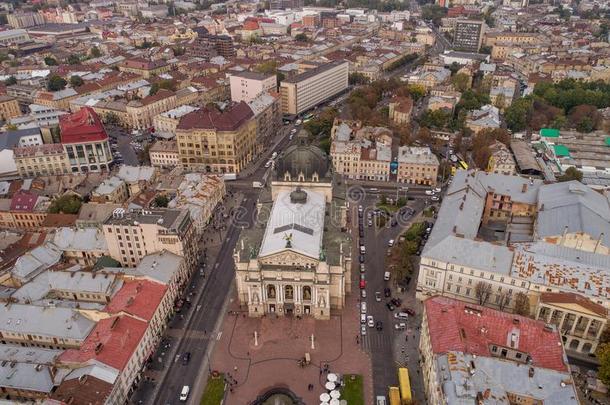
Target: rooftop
x=230, y=119
x=82, y=126
x=314, y=72
x=139, y=298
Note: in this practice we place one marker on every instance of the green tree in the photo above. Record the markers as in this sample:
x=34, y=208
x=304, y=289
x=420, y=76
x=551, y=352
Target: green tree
x=603, y=356
x=416, y=91
x=301, y=37
x=461, y=81
x=95, y=52
x=161, y=200
x=166, y=84
x=472, y=100
x=522, y=304
x=570, y=174
x=56, y=83
x=73, y=59
x=10, y=81
x=358, y=78
x=435, y=118
x=66, y=204
x=49, y=61
x=517, y=113
x=76, y=81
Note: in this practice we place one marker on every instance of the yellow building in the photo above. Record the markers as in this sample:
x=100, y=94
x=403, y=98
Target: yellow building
x=417, y=165
x=41, y=160
x=144, y=67
x=217, y=141
x=9, y=108
x=164, y=154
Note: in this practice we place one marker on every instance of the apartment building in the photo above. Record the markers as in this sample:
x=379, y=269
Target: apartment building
x=164, y=154
x=501, y=160
x=304, y=91
x=28, y=209
x=400, y=109
x=112, y=190
x=13, y=37
x=142, y=112
x=217, y=141
x=165, y=123
x=246, y=86
x=9, y=108
x=81, y=246
x=417, y=165
x=41, y=160
x=268, y=116
x=540, y=246
x=473, y=354
x=24, y=20
x=468, y=35
x=85, y=141
x=145, y=67
x=132, y=235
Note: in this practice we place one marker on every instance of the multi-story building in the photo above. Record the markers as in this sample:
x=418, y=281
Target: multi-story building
x=82, y=246
x=501, y=160
x=85, y=141
x=200, y=194
x=132, y=235
x=246, y=86
x=24, y=20
x=268, y=115
x=473, y=354
x=141, y=112
x=538, y=246
x=292, y=267
x=217, y=141
x=164, y=154
x=207, y=46
x=13, y=37
x=285, y=4
x=41, y=160
x=9, y=108
x=28, y=210
x=165, y=123
x=400, y=110
x=145, y=67
x=468, y=35
x=112, y=190
x=417, y=165
x=304, y=91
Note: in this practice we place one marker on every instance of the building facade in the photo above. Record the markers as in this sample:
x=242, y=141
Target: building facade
x=164, y=154
x=9, y=108
x=468, y=35
x=41, y=160
x=417, y=165
x=246, y=86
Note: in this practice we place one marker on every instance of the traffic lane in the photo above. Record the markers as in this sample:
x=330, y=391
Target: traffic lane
x=205, y=318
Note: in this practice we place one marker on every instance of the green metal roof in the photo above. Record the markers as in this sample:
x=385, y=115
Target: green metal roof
x=607, y=141
x=549, y=133
x=561, y=150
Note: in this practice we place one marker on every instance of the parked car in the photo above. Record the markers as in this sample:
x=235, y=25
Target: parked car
x=408, y=311
x=362, y=268
x=362, y=284
x=390, y=306
x=370, y=322
x=186, y=357
x=362, y=318
x=387, y=292
x=363, y=330
x=379, y=325
x=363, y=293
x=400, y=326
x=363, y=307
x=377, y=296
x=361, y=258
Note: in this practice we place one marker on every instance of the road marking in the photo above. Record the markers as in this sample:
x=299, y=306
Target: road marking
x=219, y=336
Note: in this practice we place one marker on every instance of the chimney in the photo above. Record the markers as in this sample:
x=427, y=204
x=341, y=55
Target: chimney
x=531, y=372
x=524, y=188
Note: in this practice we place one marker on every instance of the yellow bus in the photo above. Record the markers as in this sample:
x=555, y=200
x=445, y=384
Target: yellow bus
x=394, y=395
x=463, y=165
x=405, y=386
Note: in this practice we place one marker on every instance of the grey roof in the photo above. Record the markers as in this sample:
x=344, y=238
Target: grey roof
x=87, y=239
x=314, y=72
x=35, y=261
x=98, y=370
x=161, y=266
x=26, y=376
x=575, y=207
x=303, y=223
x=463, y=387
x=132, y=174
x=10, y=139
x=167, y=218
x=46, y=321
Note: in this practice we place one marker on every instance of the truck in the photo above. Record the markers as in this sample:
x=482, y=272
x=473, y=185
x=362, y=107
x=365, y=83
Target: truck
x=230, y=176
x=257, y=184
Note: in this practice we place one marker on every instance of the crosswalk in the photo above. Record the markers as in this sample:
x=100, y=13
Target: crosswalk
x=374, y=340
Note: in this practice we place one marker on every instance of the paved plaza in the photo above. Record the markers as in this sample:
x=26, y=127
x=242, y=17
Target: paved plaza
x=273, y=360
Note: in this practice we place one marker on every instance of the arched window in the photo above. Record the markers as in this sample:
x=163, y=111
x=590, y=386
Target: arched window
x=271, y=291
x=289, y=292
x=307, y=293
x=315, y=177
x=287, y=176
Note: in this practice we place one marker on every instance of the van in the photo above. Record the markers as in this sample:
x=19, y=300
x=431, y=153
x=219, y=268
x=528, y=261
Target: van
x=380, y=400
x=184, y=394
x=363, y=307
x=273, y=155
x=363, y=318
x=386, y=276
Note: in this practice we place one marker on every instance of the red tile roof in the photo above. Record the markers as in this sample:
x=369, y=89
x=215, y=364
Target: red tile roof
x=111, y=342
x=138, y=298
x=210, y=118
x=24, y=201
x=459, y=326
x=82, y=126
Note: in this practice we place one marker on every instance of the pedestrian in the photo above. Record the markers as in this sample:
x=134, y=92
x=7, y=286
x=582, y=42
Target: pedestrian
x=235, y=368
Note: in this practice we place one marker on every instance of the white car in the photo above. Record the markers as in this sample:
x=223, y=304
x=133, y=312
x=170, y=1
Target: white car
x=377, y=296
x=293, y=131
x=268, y=164
x=437, y=190
x=361, y=267
x=435, y=198
x=363, y=307
x=400, y=326
x=370, y=322
x=429, y=192
x=391, y=242
x=362, y=250
x=363, y=293
x=363, y=330
x=363, y=318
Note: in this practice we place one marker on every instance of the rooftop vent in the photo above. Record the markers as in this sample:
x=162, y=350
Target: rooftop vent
x=98, y=347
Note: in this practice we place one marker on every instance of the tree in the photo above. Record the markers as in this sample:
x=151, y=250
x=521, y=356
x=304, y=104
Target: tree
x=585, y=118
x=416, y=91
x=461, y=81
x=56, y=83
x=66, y=204
x=166, y=84
x=161, y=201
x=603, y=356
x=10, y=81
x=472, y=100
x=504, y=300
x=95, y=52
x=570, y=174
x=435, y=118
x=73, y=59
x=49, y=61
x=516, y=114
x=522, y=304
x=454, y=67
x=76, y=81
x=358, y=78
x=111, y=118
x=482, y=291
x=301, y=37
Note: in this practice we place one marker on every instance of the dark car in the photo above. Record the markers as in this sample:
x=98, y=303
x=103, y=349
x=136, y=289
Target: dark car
x=359, y=214
x=361, y=233
x=396, y=301
x=390, y=306
x=409, y=311
x=379, y=325
x=361, y=258
x=186, y=357
x=361, y=242
x=387, y=292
